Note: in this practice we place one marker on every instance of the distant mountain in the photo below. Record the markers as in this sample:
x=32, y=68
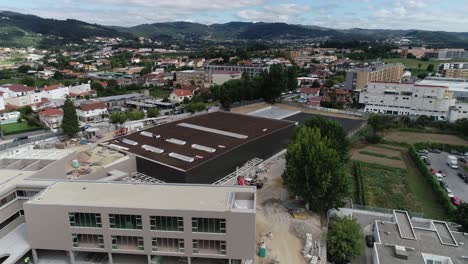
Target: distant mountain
x=26, y=30
x=16, y=27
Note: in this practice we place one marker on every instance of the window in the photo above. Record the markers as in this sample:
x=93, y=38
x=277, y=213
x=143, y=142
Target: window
x=208, y=225
x=25, y=193
x=87, y=241
x=167, y=223
x=11, y=219
x=164, y=244
x=209, y=247
x=125, y=221
x=127, y=243
x=85, y=219
x=10, y=197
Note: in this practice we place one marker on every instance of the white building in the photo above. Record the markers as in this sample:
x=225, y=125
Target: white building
x=56, y=91
x=2, y=102
x=407, y=99
x=10, y=117
x=51, y=117
x=178, y=95
x=459, y=111
x=91, y=111
x=220, y=77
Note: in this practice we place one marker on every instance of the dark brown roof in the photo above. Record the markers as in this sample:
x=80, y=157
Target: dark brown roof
x=92, y=106
x=252, y=127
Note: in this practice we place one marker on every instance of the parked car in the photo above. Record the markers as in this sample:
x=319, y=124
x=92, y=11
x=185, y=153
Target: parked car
x=454, y=152
x=462, y=160
x=422, y=156
x=370, y=241
x=433, y=171
x=455, y=200
x=443, y=184
x=435, y=151
x=461, y=175
x=423, y=151
x=442, y=173
x=438, y=176
x=428, y=162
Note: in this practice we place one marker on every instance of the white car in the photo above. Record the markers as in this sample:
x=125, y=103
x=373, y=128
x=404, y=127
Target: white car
x=439, y=176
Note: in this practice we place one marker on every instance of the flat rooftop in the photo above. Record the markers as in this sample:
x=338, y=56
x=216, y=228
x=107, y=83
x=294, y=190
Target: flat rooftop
x=188, y=143
x=348, y=124
x=143, y=196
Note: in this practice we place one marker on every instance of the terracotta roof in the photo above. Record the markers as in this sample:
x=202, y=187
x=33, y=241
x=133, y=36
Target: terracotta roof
x=307, y=90
x=51, y=112
x=19, y=88
x=51, y=87
x=326, y=98
x=182, y=92
x=92, y=106
x=338, y=91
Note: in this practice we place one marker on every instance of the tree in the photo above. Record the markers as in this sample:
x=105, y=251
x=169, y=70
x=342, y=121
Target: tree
x=410, y=56
x=461, y=217
x=135, y=115
x=58, y=75
x=152, y=112
x=422, y=75
x=430, y=68
x=146, y=70
x=118, y=118
x=376, y=122
x=316, y=84
x=195, y=107
x=273, y=83
x=28, y=81
x=24, y=69
x=345, y=239
x=314, y=170
x=70, y=125
x=334, y=132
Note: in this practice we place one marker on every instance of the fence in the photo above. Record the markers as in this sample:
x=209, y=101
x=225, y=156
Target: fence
x=30, y=139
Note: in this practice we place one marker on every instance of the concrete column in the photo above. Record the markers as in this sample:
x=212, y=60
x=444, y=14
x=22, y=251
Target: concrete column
x=34, y=255
x=149, y=259
x=189, y=260
x=111, y=261
x=72, y=257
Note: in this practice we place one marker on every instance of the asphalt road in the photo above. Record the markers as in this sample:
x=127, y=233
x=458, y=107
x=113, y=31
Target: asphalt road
x=458, y=186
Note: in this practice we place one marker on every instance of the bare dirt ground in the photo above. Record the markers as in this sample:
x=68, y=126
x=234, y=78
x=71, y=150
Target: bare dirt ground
x=412, y=137
x=286, y=241
x=379, y=160
x=249, y=108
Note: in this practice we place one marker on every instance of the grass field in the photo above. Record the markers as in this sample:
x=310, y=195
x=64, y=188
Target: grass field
x=413, y=63
x=379, y=155
x=412, y=137
x=15, y=128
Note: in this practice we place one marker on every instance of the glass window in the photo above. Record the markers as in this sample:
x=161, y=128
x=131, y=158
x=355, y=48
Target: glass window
x=85, y=219
x=208, y=225
x=167, y=223
x=125, y=221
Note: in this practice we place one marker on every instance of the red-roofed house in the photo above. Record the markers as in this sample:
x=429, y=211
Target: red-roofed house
x=307, y=93
x=178, y=95
x=51, y=117
x=15, y=90
x=55, y=91
x=341, y=95
x=92, y=111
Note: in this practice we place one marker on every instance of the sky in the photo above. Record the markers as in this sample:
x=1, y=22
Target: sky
x=447, y=15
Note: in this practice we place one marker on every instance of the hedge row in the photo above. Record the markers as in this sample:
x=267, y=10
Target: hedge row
x=360, y=183
x=440, y=193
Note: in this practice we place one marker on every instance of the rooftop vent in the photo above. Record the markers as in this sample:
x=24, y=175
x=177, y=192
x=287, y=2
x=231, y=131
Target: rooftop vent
x=181, y=157
x=152, y=149
x=203, y=148
x=221, y=146
x=400, y=252
x=146, y=134
x=129, y=142
x=176, y=141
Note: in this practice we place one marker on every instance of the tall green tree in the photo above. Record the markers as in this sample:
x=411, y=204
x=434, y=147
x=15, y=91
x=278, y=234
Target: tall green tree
x=274, y=83
x=345, y=239
x=461, y=217
x=70, y=125
x=118, y=118
x=314, y=170
x=430, y=68
x=334, y=132
x=152, y=112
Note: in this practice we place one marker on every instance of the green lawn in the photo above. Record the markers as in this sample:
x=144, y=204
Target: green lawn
x=395, y=188
x=370, y=153
x=160, y=93
x=413, y=63
x=15, y=128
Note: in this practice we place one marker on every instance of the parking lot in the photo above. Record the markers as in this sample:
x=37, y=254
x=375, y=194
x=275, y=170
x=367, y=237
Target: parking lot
x=456, y=184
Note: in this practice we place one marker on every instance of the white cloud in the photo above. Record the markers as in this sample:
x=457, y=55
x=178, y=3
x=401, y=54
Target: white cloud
x=274, y=13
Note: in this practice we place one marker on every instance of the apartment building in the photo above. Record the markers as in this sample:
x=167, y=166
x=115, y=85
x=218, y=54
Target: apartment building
x=176, y=222
x=357, y=79
x=252, y=71
x=190, y=77
x=446, y=54
x=91, y=111
x=454, y=70
x=407, y=99
x=220, y=77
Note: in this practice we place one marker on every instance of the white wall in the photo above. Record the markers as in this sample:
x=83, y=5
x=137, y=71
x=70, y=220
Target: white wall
x=2, y=104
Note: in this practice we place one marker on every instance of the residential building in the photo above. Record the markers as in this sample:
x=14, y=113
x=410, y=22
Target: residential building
x=447, y=54
x=51, y=117
x=91, y=111
x=407, y=99
x=252, y=71
x=55, y=91
x=307, y=92
x=459, y=111
x=357, y=79
x=220, y=77
x=190, y=77
x=454, y=70
x=179, y=95
x=402, y=239
x=196, y=222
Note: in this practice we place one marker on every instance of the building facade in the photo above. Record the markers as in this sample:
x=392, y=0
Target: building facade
x=92, y=111
x=357, y=79
x=407, y=99
x=220, y=77
x=190, y=223
x=190, y=77
x=252, y=71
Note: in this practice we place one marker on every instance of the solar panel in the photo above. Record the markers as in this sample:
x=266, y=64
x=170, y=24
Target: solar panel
x=152, y=149
x=176, y=141
x=181, y=157
x=129, y=142
x=203, y=148
x=212, y=130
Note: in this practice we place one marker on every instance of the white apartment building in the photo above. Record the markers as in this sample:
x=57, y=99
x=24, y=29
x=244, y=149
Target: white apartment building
x=407, y=99
x=2, y=103
x=92, y=111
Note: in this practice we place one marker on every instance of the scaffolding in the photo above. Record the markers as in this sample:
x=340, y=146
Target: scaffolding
x=139, y=177
x=245, y=168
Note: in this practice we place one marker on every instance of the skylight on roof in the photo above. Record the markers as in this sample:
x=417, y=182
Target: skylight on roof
x=203, y=148
x=146, y=134
x=152, y=149
x=129, y=142
x=181, y=157
x=176, y=141
x=214, y=131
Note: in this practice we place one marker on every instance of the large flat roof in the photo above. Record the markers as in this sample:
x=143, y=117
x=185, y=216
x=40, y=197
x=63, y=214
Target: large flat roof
x=188, y=143
x=142, y=196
